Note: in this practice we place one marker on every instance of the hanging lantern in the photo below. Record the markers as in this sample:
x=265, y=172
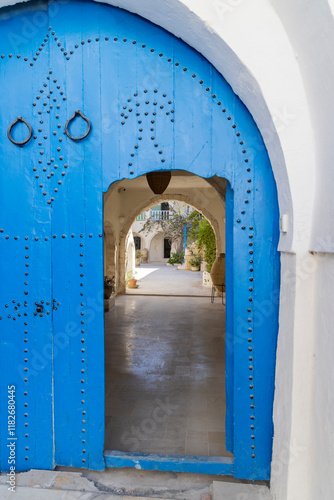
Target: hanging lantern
x=159, y=181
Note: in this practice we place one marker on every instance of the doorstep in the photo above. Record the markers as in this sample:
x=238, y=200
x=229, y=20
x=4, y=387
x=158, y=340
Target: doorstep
x=238, y=491
x=56, y=485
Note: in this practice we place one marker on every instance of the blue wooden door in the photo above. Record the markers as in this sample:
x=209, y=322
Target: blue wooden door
x=110, y=96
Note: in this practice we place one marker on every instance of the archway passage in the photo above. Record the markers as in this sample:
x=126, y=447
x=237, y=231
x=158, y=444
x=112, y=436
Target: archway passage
x=165, y=341
x=109, y=96
x=129, y=204
x=137, y=241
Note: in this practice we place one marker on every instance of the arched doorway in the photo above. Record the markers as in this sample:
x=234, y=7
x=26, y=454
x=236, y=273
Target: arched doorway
x=137, y=240
x=184, y=187
x=162, y=341
x=109, y=97
x=157, y=248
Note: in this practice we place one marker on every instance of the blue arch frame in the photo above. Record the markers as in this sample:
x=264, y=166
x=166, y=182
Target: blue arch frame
x=153, y=103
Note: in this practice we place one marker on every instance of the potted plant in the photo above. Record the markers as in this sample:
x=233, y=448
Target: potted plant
x=176, y=258
x=131, y=281
x=109, y=287
x=195, y=262
x=138, y=255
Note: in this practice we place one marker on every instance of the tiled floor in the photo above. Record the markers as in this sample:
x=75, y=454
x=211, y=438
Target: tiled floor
x=165, y=376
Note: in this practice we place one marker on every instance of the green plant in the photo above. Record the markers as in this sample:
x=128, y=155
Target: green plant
x=202, y=233
x=176, y=258
x=138, y=254
x=195, y=261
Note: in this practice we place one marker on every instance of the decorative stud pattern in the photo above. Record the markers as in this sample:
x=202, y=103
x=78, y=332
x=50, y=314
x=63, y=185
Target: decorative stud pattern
x=26, y=346
x=146, y=107
x=22, y=311
x=49, y=172
x=83, y=370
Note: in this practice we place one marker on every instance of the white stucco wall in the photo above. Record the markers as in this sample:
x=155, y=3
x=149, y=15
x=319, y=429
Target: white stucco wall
x=322, y=446
x=157, y=248
x=130, y=254
x=310, y=28
x=278, y=57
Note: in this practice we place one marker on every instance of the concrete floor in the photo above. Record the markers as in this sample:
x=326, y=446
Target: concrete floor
x=165, y=376
x=159, y=279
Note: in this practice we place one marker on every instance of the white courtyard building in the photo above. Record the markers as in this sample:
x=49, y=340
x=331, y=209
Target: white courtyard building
x=157, y=243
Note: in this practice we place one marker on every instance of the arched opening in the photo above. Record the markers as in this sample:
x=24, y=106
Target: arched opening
x=137, y=240
x=165, y=374
x=126, y=202
x=167, y=248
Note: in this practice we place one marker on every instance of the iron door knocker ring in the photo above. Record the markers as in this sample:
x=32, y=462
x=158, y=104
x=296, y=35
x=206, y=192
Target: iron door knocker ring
x=10, y=128
x=77, y=113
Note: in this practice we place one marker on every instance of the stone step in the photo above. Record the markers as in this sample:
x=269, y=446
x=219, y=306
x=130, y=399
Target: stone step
x=238, y=491
x=58, y=485
x=61, y=485
x=33, y=493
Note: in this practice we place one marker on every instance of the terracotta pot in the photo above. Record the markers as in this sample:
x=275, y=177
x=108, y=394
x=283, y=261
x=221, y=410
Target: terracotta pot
x=132, y=284
x=218, y=272
x=137, y=262
x=194, y=268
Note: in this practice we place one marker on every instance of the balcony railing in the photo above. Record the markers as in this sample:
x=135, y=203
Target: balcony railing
x=155, y=214
x=159, y=214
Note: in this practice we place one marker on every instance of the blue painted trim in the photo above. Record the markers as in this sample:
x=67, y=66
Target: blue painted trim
x=229, y=336
x=172, y=463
